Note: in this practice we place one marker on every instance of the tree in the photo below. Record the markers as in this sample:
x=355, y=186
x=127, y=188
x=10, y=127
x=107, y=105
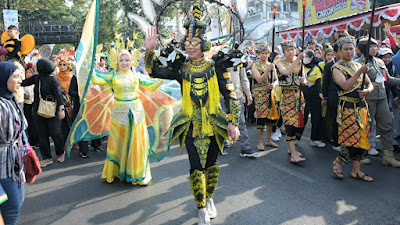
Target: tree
x=107, y=21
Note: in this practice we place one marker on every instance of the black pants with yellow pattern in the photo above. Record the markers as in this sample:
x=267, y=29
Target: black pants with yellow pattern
x=203, y=181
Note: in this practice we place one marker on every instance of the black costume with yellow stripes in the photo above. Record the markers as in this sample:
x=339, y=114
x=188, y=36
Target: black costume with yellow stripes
x=17, y=47
x=13, y=47
x=201, y=124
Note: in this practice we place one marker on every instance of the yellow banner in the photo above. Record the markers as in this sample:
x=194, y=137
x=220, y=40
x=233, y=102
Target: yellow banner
x=321, y=10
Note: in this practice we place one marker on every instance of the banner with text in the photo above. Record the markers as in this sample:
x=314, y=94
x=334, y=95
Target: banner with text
x=320, y=10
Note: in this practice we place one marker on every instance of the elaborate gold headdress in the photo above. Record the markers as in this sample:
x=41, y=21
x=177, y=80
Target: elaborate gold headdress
x=127, y=49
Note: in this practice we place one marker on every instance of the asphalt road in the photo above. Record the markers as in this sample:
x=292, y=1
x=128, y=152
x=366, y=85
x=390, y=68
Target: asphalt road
x=263, y=190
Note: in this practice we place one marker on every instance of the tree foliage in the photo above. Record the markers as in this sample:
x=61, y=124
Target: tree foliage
x=113, y=15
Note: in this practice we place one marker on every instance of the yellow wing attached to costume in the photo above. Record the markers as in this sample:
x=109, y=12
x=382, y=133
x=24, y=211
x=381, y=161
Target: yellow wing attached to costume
x=160, y=107
x=135, y=58
x=27, y=44
x=4, y=37
x=113, y=58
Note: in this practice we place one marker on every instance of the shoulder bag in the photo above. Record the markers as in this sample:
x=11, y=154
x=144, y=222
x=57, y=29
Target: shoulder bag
x=47, y=107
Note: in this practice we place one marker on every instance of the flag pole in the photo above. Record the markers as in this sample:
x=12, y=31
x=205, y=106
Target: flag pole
x=371, y=26
x=301, y=115
x=275, y=8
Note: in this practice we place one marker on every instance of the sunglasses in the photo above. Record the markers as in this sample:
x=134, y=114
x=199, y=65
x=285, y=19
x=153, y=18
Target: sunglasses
x=193, y=43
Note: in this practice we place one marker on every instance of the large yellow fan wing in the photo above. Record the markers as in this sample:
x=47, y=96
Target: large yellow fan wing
x=4, y=37
x=27, y=44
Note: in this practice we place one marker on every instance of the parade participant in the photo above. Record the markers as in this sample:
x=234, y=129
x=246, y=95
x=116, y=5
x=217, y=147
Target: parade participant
x=331, y=98
x=264, y=97
x=46, y=87
x=128, y=146
x=292, y=100
x=201, y=125
x=353, y=116
x=12, y=123
x=313, y=96
x=377, y=100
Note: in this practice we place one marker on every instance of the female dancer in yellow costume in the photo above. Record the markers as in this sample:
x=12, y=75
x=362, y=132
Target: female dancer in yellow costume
x=128, y=148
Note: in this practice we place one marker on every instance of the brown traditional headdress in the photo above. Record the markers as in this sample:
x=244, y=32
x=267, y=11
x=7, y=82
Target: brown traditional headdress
x=288, y=43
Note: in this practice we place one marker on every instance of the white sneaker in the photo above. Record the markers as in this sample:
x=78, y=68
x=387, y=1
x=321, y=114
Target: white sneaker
x=278, y=133
x=203, y=217
x=211, y=209
x=336, y=148
x=373, y=151
x=318, y=144
x=275, y=136
x=228, y=144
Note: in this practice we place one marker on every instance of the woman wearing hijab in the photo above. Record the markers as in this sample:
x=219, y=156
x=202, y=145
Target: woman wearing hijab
x=313, y=96
x=47, y=127
x=64, y=77
x=327, y=131
x=128, y=148
x=12, y=123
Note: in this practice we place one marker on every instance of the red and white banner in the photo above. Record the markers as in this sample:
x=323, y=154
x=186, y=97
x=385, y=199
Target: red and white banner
x=391, y=13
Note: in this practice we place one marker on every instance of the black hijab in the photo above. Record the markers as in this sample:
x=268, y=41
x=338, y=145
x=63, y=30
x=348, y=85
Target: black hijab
x=6, y=70
x=314, y=59
x=45, y=67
